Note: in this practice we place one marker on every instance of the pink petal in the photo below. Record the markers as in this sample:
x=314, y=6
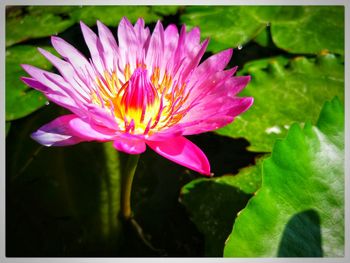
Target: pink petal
x=236, y=85
x=192, y=42
x=101, y=116
x=72, y=55
x=218, y=114
x=131, y=146
x=129, y=45
x=94, y=46
x=84, y=129
x=141, y=32
x=155, y=52
x=69, y=74
x=199, y=52
x=57, y=133
x=171, y=35
x=41, y=76
x=182, y=151
x=70, y=129
x=211, y=65
x=110, y=47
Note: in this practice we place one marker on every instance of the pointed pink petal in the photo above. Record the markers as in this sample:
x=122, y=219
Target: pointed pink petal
x=198, y=52
x=141, y=32
x=211, y=65
x=218, y=113
x=171, y=35
x=155, y=52
x=72, y=55
x=69, y=74
x=182, y=151
x=129, y=45
x=57, y=133
x=40, y=76
x=236, y=84
x=192, y=41
x=131, y=146
x=110, y=47
x=94, y=46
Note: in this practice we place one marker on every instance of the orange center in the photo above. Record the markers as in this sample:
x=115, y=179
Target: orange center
x=142, y=104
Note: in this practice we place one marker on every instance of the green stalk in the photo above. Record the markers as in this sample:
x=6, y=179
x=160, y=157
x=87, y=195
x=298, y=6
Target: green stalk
x=127, y=179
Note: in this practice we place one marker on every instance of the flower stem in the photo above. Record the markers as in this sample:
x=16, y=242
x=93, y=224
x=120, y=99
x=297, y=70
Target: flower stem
x=127, y=179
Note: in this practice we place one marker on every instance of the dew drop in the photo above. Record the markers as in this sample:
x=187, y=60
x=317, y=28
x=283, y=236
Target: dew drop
x=239, y=47
x=47, y=103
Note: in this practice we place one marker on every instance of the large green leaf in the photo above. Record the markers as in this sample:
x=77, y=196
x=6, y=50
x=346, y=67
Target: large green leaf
x=213, y=204
x=319, y=28
x=35, y=22
x=226, y=26
x=285, y=92
x=297, y=29
x=20, y=99
x=299, y=210
x=44, y=21
x=111, y=15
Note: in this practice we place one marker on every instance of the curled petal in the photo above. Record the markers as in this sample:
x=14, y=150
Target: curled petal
x=182, y=151
x=131, y=146
x=85, y=130
x=57, y=133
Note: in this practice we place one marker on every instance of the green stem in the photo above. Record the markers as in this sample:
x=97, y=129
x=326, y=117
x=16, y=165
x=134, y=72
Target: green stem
x=127, y=179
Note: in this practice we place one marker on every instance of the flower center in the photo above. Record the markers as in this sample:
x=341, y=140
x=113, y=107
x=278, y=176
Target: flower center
x=141, y=104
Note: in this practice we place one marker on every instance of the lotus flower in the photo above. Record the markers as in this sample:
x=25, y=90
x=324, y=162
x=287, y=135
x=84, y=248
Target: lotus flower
x=149, y=89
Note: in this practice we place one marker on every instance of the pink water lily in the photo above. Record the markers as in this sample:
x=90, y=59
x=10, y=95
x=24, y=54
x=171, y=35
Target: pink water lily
x=149, y=89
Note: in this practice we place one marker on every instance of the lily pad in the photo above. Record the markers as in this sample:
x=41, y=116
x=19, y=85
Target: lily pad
x=296, y=29
x=320, y=28
x=7, y=127
x=285, y=92
x=45, y=21
x=301, y=200
x=226, y=26
x=111, y=15
x=213, y=204
x=35, y=22
x=20, y=99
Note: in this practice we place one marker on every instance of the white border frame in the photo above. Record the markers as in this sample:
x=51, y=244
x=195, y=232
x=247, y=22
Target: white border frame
x=5, y=3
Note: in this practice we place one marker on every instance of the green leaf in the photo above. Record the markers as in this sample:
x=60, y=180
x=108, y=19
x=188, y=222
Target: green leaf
x=304, y=29
x=20, y=99
x=165, y=10
x=45, y=21
x=213, y=204
x=36, y=22
x=226, y=26
x=320, y=28
x=264, y=38
x=296, y=29
x=285, y=92
x=7, y=127
x=111, y=15
x=299, y=210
